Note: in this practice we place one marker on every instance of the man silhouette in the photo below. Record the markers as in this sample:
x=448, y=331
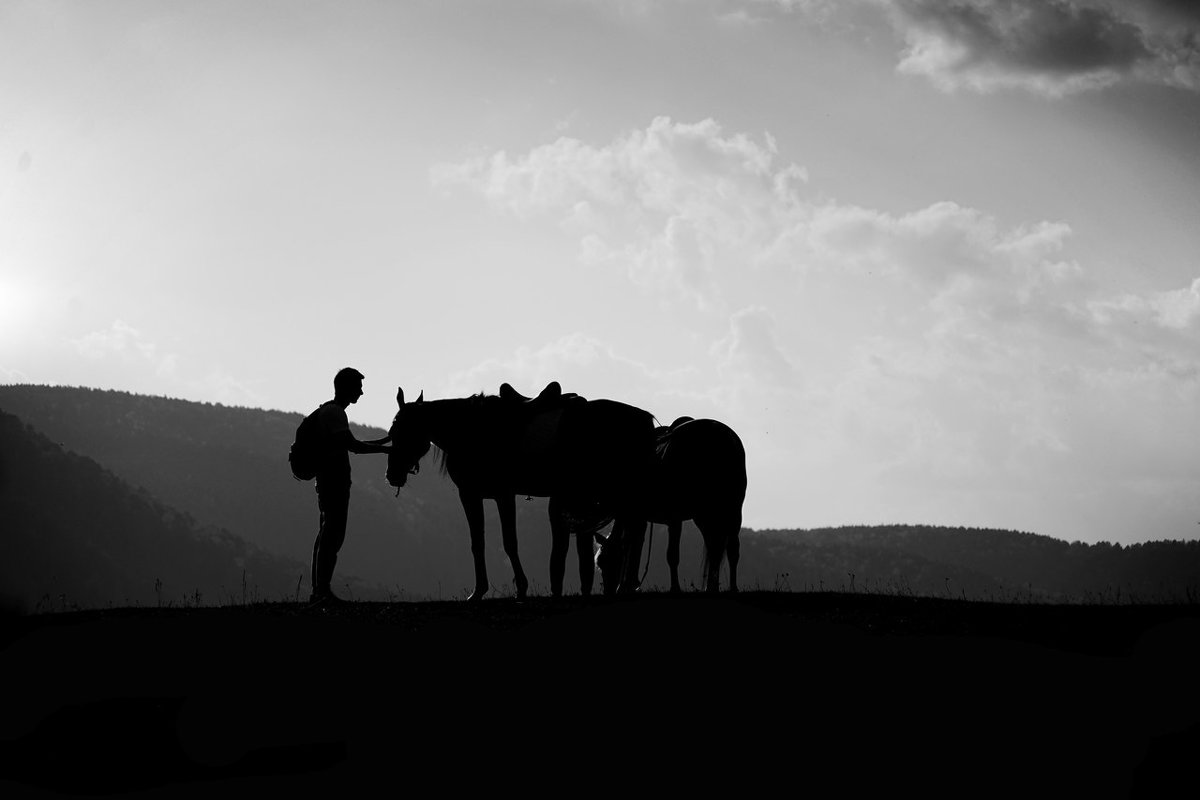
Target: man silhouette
x=333, y=479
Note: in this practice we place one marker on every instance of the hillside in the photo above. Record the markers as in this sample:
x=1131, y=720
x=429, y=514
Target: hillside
x=225, y=468
x=77, y=535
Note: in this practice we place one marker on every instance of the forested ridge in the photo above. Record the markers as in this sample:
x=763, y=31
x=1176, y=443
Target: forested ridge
x=75, y=535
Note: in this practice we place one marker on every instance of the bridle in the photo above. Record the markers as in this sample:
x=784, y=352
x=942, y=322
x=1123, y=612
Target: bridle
x=649, y=547
x=416, y=465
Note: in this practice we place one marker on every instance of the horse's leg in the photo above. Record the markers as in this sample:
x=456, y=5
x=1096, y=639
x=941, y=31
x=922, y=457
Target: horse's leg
x=674, y=531
x=560, y=540
x=473, y=506
x=507, y=507
x=733, y=547
x=633, y=537
x=583, y=548
x=713, y=531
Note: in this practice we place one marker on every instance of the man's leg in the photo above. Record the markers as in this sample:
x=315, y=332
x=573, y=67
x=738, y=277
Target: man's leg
x=335, y=506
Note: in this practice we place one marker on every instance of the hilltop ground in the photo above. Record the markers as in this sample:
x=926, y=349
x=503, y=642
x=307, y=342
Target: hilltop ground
x=759, y=693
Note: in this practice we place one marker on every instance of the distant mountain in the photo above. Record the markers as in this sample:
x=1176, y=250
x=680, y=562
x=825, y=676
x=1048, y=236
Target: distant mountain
x=985, y=564
x=226, y=469
x=77, y=535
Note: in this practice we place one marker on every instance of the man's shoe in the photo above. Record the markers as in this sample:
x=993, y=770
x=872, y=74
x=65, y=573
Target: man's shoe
x=325, y=598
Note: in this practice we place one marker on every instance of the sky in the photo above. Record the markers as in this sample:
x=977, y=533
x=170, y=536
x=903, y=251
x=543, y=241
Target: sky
x=935, y=262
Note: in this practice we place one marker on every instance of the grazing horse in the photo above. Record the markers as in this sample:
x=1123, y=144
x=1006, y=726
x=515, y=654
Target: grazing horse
x=591, y=457
x=699, y=474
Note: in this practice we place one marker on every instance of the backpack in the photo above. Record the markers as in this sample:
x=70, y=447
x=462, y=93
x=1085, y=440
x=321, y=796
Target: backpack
x=305, y=454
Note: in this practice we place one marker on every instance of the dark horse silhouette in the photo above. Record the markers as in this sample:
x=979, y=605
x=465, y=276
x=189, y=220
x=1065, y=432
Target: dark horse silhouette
x=699, y=474
x=591, y=457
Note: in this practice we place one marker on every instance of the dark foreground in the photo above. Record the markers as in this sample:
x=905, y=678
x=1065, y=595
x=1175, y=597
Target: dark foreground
x=760, y=694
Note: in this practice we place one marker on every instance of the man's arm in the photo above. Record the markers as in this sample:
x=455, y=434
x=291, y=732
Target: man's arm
x=355, y=446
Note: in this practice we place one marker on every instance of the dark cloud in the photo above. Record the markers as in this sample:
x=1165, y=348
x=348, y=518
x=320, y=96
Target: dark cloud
x=1181, y=11
x=1051, y=45
x=1040, y=36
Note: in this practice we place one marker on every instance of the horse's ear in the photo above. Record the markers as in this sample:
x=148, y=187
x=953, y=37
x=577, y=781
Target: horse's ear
x=399, y=395
x=421, y=396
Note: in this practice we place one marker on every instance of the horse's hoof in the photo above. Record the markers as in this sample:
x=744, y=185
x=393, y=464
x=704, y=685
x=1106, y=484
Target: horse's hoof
x=476, y=595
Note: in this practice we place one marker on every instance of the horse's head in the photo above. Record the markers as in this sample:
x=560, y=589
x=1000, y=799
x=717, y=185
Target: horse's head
x=410, y=439
x=610, y=557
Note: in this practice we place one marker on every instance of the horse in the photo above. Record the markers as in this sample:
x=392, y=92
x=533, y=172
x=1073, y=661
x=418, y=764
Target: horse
x=699, y=474
x=592, y=458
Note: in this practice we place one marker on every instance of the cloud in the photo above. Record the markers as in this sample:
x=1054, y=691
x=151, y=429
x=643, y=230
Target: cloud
x=122, y=348
x=1177, y=310
x=1156, y=332
x=936, y=243
x=13, y=375
x=689, y=211
x=752, y=350
x=1052, y=47
x=224, y=387
x=124, y=342
x=681, y=206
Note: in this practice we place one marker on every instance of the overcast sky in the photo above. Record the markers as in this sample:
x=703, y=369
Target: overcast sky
x=935, y=261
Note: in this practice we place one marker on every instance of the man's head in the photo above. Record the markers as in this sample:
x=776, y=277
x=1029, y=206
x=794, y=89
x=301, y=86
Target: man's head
x=347, y=385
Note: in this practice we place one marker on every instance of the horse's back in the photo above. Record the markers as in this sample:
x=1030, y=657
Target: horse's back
x=701, y=465
x=606, y=449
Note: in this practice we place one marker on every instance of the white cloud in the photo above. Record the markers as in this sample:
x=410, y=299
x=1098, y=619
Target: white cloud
x=222, y=387
x=692, y=212
x=933, y=245
x=13, y=375
x=1175, y=310
x=683, y=207
x=752, y=351
x=122, y=349
x=688, y=210
x=127, y=343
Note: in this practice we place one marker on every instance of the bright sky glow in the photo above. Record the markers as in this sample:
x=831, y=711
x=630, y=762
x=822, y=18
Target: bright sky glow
x=935, y=262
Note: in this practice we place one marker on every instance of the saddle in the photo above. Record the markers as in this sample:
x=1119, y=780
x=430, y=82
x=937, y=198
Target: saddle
x=550, y=397
x=663, y=432
x=538, y=429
